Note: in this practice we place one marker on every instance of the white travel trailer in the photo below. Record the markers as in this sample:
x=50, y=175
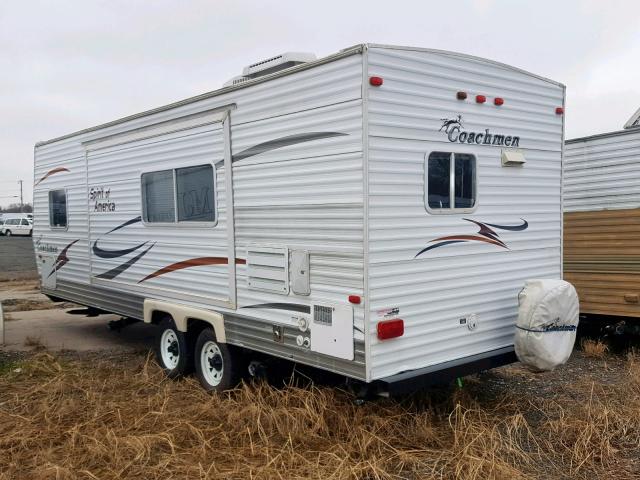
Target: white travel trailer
x=602, y=222
x=374, y=213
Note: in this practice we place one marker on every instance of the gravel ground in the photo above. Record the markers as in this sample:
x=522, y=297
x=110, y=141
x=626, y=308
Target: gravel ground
x=17, y=259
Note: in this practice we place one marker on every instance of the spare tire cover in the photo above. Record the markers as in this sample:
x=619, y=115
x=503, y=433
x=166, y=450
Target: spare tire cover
x=547, y=323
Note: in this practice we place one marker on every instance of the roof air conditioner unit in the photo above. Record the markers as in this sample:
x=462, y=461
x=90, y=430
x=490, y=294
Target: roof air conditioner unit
x=271, y=65
x=274, y=64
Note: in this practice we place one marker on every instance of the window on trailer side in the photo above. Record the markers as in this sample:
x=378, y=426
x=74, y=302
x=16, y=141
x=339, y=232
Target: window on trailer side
x=451, y=182
x=58, y=208
x=179, y=195
x=157, y=197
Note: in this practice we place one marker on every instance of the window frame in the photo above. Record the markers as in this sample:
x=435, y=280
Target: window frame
x=176, y=223
x=66, y=208
x=452, y=183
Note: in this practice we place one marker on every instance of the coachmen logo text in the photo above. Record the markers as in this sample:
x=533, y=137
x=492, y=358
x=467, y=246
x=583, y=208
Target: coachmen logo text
x=456, y=133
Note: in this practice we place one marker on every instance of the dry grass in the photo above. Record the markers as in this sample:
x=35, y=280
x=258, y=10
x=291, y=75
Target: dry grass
x=27, y=304
x=594, y=348
x=89, y=418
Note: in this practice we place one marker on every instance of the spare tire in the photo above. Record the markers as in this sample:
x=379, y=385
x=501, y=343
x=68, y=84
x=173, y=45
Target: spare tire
x=547, y=323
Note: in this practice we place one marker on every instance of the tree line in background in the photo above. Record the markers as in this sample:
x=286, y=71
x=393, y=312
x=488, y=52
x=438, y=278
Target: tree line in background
x=15, y=208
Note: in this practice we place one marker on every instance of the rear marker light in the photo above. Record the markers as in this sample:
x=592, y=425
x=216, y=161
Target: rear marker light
x=461, y=95
x=390, y=329
x=375, y=81
x=559, y=110
x=498, y=101
x=355, y=299
x=481, y=99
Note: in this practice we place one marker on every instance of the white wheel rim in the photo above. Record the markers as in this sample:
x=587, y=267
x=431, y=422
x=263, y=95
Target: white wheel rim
x=212, y=363
x=170, y=349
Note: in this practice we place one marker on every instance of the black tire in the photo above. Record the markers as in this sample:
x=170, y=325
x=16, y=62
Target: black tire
x=172, y=349
x=219, y=366
x=7, y=233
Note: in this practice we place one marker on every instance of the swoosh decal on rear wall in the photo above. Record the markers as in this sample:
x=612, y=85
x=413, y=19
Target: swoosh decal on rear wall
x=485, y=235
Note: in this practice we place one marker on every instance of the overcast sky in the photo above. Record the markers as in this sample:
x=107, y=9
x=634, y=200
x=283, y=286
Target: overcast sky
x=68, y=65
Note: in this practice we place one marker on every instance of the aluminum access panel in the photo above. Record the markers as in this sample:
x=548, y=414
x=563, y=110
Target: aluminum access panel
x=454, y=278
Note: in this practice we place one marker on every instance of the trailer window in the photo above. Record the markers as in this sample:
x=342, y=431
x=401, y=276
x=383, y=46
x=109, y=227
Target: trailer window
x=465, y=181
x=439, y=173
x=194, y=186
x=58, y=208
x=179, y=195
x=451, y=182
x=158, y=197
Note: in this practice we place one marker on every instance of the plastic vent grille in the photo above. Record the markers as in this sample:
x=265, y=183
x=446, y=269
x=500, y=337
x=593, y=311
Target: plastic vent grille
x=268, y=269
x=272, y=59
x=323, y=315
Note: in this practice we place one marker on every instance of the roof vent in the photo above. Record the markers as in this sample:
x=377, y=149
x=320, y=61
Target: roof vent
x=271, y=65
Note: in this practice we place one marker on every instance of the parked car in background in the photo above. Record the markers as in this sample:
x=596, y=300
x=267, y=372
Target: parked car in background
x=16, y=226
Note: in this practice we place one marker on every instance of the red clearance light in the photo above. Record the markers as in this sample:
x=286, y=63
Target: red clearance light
x=481, y=99
x=390, y=329
x=355, y=299
x=559, y=110
x=461, y=95
x=498, y=101
x=376, y=81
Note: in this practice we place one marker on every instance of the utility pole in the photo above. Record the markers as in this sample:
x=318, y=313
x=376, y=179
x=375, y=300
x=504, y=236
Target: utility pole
x=20, y=182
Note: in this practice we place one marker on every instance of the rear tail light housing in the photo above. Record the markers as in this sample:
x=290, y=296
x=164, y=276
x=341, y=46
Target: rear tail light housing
x=390, y=329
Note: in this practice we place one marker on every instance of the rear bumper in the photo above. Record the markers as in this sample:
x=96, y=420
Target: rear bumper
x=413, y=380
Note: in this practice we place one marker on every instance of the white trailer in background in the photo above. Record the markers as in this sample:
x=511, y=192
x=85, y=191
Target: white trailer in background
x=374, y=213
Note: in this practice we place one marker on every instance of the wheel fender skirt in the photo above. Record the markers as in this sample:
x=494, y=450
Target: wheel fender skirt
x=182, y=314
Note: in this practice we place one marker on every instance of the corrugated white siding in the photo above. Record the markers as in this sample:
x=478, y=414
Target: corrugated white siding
x=602, y=172
x=438, y=288
x=305, y=194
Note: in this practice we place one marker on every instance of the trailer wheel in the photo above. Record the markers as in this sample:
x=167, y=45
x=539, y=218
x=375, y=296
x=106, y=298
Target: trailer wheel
x=172, y=351
x=7, y=233
x=218, y=365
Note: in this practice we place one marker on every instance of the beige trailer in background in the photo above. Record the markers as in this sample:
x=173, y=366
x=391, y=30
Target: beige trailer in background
x=602, y=220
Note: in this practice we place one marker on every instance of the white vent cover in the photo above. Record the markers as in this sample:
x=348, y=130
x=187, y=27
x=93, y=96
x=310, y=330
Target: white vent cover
x=512, y=158
x=268, y=269
x=332, y=330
